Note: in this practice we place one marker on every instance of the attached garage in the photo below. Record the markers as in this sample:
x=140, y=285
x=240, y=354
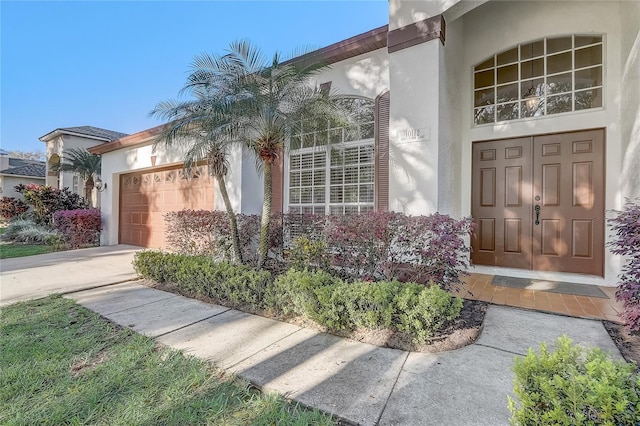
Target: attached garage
x=146, y=196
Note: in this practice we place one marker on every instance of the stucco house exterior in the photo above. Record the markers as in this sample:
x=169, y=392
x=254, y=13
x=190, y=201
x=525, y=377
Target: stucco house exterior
x=14, y=171
x=62, y=139
x=522, y=114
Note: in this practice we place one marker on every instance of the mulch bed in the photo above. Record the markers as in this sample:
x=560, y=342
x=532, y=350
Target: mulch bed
x=628, y=342
x=461, y=332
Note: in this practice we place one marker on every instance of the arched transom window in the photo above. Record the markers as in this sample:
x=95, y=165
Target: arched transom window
x=332, y=170
x=548, y=76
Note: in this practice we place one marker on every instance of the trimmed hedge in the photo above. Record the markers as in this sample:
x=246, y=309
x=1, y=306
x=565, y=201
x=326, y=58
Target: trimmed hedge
x=418, y=310
x=229, y=284
x=574, y=386
x=414, y=309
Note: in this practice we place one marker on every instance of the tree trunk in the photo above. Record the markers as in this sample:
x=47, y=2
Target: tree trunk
x=235, y=235
x=266, y=216
x=88, y=190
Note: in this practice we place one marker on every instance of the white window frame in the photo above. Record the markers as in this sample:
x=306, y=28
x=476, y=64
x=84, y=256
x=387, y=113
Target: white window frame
x=325, y=207
x=75, y=184
x=520, y=82
x=326, y=150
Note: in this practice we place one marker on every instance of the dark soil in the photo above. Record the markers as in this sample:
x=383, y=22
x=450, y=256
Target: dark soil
x=461, y=332
x=628, y=342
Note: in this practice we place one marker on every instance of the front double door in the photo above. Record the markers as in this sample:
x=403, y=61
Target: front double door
x=538, y=202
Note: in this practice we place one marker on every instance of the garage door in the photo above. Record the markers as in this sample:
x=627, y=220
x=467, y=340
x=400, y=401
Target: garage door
x=146, y=196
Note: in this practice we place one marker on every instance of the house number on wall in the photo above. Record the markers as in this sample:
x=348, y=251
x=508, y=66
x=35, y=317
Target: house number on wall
x=411, y=134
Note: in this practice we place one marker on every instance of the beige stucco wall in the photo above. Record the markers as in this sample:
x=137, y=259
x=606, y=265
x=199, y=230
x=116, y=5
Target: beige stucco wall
x=630, y=98
x=8, y=183
x=364, y=75
x=63, y=143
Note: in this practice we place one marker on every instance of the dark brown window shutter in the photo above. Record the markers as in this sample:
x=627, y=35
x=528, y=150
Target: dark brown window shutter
x=382, y=152
x=277, y=184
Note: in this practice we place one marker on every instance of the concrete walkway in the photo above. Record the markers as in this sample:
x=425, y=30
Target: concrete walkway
x=359, y=383
x=30, y=277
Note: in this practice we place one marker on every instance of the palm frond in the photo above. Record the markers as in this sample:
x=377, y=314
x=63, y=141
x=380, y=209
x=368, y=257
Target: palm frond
x=80, y=161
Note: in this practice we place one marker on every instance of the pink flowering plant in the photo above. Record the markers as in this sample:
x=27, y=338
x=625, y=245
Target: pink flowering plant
x=626, y=225
x=80, y=228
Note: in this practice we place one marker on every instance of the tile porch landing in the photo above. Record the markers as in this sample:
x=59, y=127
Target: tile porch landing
x=479, y=287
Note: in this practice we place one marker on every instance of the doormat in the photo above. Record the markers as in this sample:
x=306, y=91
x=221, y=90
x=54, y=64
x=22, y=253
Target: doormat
x=550, y=286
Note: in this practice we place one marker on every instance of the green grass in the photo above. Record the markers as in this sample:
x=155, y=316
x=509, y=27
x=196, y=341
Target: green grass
x=10, y=250
x=62, y=364
x=20, y=250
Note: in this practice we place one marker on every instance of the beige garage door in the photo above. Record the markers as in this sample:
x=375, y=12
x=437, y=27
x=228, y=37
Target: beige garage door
x=146, y=196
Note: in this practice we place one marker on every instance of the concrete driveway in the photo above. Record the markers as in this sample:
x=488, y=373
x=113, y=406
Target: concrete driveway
x=31, y=277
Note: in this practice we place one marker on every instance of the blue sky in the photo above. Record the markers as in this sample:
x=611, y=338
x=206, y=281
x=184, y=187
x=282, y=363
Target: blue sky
x=107, y=64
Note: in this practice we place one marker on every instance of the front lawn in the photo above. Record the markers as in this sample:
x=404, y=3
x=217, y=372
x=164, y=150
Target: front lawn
x=64, y=364
x=20, y=250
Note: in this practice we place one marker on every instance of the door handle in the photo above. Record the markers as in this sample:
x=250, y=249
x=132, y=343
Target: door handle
x=537, y=209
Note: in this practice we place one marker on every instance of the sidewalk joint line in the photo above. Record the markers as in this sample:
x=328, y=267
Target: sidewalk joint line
x=500, y=349
x=393, y=388
x=260, y=350
x=190, y=324
x=64, y=293
x=138, y=306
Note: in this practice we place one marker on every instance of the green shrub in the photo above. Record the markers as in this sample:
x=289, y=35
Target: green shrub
x=14, y=227
x=230, y=284
x=574, y=386
x=26, y=231
x=295, y=290
x=371, y=305
x=415, y=309
x=411, y=308
x=306, y=253
x=421, y=311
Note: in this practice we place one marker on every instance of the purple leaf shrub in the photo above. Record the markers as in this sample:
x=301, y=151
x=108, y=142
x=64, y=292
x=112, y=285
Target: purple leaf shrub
x=386, y=245
x=208, y=233
x=626, y=225
x=81, y=227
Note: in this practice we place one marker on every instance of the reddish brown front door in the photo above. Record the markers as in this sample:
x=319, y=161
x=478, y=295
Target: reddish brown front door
x=539, y=202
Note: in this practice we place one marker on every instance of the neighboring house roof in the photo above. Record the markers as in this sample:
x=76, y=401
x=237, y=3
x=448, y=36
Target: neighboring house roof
x=3, y=152
x=36, y=169
x=84, y=131
x=19, y=162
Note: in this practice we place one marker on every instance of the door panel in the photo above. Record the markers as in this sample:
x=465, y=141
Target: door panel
x=571, y=185
x=501, y=184
x=563, y=174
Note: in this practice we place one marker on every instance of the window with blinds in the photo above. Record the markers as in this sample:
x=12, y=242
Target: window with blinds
x=332, y=170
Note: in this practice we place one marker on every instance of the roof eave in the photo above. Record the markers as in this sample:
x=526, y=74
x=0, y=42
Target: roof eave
x=129, y=140
x=23, y=176
x=354, y=46
x=58, y=132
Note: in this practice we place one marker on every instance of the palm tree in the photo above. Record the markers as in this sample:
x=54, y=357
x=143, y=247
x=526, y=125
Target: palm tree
x=267, y=102
x=202, y=126
x=86, y=165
